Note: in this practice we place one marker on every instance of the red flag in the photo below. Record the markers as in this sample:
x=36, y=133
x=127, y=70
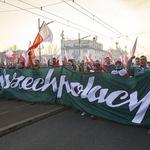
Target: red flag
x=134, y=48
x=10, y=55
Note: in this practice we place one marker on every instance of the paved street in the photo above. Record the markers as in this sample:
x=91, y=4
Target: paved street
x=71, y=131
x=16, y=114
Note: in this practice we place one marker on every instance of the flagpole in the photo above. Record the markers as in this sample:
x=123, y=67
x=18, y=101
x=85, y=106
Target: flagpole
x=39, y=27
x=39, y=47
x=80, y=39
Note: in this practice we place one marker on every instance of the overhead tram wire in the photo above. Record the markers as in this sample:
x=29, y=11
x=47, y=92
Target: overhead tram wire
x=116, y=32
x=139, y=33
x=98, y=18
x=33, y=8
x=41, y=8
x=119, y=33
x=112, y=30
x=45, y=17
x=55, y=4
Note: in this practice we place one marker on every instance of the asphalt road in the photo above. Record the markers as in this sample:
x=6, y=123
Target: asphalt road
x=71, y=131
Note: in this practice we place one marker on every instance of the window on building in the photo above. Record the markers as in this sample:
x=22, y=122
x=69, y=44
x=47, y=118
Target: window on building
x=76, y=44
x=84, y=51
x=66, y=44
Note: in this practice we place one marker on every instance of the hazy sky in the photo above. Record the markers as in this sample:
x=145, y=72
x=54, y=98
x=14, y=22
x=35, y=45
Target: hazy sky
x=111, y=20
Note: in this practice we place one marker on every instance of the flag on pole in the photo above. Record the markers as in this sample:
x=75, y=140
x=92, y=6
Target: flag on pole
x=10, y=55
x=59, y=61
x=126, y=59
x=121, y=54
x=89, y=57
x=44, y=35
x=45, y=60
x=22, y=57
x=5, y=63
x=66, y=57
x=133, y=49
x=110, y=55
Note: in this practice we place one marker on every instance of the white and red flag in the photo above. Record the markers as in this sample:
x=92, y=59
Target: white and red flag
x=133, y=48
x=121, y=55
x=10, y=55
x=24, y=58
x=89, y=57
x=44, y=35
x=66, y=57
x=126, y=59
x=59, y=61
x=110, y=55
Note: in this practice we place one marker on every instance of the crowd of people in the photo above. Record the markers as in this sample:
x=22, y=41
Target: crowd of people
x=134, y=67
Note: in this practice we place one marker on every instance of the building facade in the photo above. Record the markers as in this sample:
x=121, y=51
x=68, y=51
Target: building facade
x=76, y=49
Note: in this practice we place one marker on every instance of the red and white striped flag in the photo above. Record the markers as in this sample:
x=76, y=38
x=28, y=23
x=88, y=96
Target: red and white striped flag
x=10, y=55
x=133, y=49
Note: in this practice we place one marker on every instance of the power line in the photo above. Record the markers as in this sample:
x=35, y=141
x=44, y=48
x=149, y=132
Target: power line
x=116, y=31
x=55, y=4
x=41, y=8
x=139, y=33
x=112, y=30
x=97, y=17
x=33, y=8
x=46, y=17
x=68, y=22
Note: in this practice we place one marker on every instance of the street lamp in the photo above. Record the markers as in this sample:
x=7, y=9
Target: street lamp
x=80, y=39
x=39, y=26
